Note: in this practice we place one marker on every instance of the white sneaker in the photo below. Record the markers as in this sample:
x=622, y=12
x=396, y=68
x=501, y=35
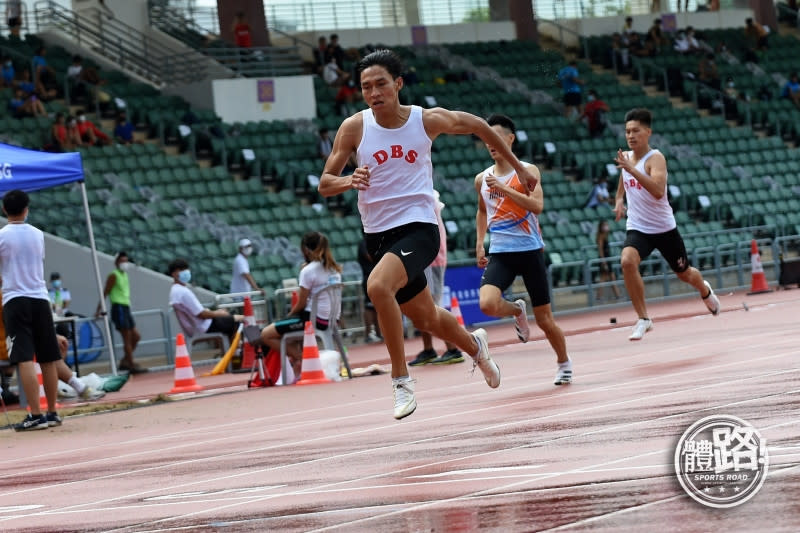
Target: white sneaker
x=521, y=322
x=404, y=401
x=92, y=394
x=711, y=300
x=484, y=361
x=564, y=375
x=643, y=325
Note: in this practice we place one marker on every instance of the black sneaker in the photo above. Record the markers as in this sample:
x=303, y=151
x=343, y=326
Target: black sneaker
x=53, y=419
x=424, y=357
x=449, y=357
x=32, y=422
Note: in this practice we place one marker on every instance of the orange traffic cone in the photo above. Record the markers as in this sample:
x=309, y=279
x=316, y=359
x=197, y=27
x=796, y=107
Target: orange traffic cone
x=184, y=373
x=248, y=352
x=456, y=310
x=312, y=365
x=42, y=395
x=759, y=280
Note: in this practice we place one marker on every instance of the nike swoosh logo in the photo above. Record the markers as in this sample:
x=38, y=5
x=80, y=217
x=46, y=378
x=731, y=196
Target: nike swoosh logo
x=406, y=253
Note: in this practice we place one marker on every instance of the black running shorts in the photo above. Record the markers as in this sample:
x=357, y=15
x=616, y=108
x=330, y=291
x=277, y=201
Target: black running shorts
x=503, y=268
x=669, y=243
x=416, y=244
x=30, y=330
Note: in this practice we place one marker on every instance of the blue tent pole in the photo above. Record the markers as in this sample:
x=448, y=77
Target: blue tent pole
x=106, y=329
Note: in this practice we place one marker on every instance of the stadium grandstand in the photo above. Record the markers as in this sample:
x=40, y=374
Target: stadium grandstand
x=225, y=140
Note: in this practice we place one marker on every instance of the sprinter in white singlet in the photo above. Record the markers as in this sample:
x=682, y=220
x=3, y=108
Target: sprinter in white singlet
x=651, y=224
x=395, y=198
x=508, y=211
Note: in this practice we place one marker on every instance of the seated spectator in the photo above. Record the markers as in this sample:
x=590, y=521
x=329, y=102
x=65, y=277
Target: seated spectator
x=346, y=96
x=335, y=51
x=594, y=114
x=73, y=134
x=321, y=270
x=639, y=48
x=123, y=129
x=8, y=72
x=23, y=81
x=333, y=75
x=22, y=105
x=791, y=91
x=90, y=134
x=60, y=296
x=655, y=36
x=600, y=195
x=756, y=35
x=320, y=54
x=44, y=77
x=681, y=44
x=195, y=319
x=694, y=44
x=627, y=30
x=619, y=54
x=707, y=72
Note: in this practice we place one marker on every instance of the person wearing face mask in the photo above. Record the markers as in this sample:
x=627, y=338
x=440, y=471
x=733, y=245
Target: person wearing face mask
x=118, y=290
x=59, y=295
x=242, y=280
x=194, y=318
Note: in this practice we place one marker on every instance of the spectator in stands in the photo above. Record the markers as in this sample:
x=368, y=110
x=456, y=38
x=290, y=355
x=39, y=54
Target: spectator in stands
x=123, y=129
x=639, y=48
x=74, y=77
x=346, y=96
x=656, y=37
x=324, y=144
x=59, y=295
x=241, y=279
x=732, y=95
x=599, y=195
x=64, y=137
x=320, y=54
x=372, y=330
x=627, y=30
x=23, y=81
x=681, y=44
x=619, y=54
x=594, y=114
x=194, y=318
x=26, y=311
x=434, y=275
x=333, y=75
x=707, y=72
x=335, y=51
x=604, y=250
x=73, y=134
x=44, y=77
x=22, y=105
x=321, y=270
x=569, y=79
x=756, y=35
x=14, y=17
x=8, y=72
x=118, y=290
x=694, y=44
x=241, y=31
x=791, y=91
x=90, y=134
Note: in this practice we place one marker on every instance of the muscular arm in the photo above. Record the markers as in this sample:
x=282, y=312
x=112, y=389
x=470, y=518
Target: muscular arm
x=480, y=224
x=344, y=144
x=656, y=167
x=619, y=199
x=208, y=313
x=438, y=121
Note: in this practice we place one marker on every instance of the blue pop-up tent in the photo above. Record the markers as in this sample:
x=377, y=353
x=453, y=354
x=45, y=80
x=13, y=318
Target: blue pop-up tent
x=30, y=170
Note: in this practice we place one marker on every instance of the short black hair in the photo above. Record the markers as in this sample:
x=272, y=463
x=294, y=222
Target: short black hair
x=15, y=202
x=55, y=275
x=504, y=121
x=177, y=264
x=120, y=255
x=641, y=115
x=384, y=58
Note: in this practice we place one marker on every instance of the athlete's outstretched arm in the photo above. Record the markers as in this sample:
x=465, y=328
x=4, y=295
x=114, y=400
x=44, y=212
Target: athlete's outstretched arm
x=344, y=144
x=439, y=120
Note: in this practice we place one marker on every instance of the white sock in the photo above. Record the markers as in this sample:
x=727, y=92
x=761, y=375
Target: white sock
x=565, y=365
x=401, y=379
x=77, y=384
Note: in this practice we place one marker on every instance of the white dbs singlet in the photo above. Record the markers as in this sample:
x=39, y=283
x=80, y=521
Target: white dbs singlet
x=646, y=213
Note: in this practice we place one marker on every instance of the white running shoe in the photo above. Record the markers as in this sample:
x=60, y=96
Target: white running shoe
x=521, y=322
x=711, y=300
x=92, y=394
x=643, y=325
x=404, y=401
x=484, y=361
x=563, y=376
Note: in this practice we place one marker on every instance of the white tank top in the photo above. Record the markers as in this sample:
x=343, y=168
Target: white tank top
x=401, y=175
x=646, y=213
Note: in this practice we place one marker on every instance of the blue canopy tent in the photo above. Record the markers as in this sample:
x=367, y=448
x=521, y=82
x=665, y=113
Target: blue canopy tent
x=30, y=170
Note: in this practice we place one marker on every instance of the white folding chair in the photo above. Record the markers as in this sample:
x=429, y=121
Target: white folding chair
x=184, y=321
x=331, y=337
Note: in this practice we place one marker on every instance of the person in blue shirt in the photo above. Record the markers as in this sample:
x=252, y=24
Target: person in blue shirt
x=568, y=78
x=44, y=77
x=791, y=90
x=123, y=130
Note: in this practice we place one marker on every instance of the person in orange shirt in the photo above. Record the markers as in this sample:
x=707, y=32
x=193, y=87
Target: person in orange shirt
x=241, y=31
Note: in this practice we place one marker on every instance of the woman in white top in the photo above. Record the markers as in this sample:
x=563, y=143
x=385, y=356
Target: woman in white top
x=320, y=270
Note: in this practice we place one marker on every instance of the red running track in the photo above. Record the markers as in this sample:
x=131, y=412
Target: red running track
x=527, y=456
